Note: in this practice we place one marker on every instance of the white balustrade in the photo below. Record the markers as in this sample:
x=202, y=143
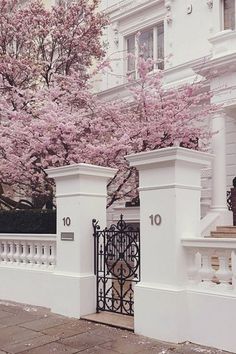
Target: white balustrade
x=211, y=262
x=31, y=251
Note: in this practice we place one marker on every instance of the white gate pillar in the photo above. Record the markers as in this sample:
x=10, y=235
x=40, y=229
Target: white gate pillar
x=81, y=192
x=170, y=191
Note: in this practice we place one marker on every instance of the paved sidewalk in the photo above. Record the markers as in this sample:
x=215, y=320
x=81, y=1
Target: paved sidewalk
x=30, y=330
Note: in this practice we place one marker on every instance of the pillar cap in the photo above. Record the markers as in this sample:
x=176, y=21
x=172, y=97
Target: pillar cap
x=170, y=154
x=81, y=169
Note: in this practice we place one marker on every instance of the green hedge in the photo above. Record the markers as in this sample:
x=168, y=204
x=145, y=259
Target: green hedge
x=28, y=221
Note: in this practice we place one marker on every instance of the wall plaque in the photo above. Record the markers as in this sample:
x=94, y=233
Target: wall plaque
x=67, y=236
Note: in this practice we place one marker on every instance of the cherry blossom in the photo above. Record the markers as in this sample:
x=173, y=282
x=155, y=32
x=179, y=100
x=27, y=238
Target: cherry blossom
x=50, y=117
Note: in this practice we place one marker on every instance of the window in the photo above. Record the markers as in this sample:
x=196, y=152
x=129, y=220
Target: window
x=151, y=45
x=229, y=14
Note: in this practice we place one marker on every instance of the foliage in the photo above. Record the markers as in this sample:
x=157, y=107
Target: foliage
x=28, y=221
x=49, y=117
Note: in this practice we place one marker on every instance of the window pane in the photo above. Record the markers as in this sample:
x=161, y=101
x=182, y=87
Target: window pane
x=131, y=50
x=160, y=46
x=146, y=44
x=229, y=14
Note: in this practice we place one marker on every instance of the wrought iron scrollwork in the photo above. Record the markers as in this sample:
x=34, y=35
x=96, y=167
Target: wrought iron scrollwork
x=117, y=266
x=229, y=200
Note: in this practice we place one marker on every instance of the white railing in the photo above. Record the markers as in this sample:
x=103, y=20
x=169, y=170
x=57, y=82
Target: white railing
x=35, y=251
x=211, y=262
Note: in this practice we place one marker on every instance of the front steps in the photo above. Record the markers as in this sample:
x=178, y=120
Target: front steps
x=224, y=232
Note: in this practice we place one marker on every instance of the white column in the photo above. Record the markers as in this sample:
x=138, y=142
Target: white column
x=81, y=196
x=219, y=163
x=169, y=187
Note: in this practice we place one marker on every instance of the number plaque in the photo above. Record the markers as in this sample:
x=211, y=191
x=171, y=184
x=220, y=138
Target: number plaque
x=155, y=219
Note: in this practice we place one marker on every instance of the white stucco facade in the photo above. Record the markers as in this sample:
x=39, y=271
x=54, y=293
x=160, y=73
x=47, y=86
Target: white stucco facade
x=195, y=43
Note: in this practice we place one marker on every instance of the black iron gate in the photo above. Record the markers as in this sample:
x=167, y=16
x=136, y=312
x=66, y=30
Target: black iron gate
x=117, y=266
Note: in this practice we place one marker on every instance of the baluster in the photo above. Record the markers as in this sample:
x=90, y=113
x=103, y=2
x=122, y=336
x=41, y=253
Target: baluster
x=4, y=253
x=193, y=266
x=206, y=271
x=43, y=257
x=35, y=253
x=17, y=252
x=1, y=252
x=45, y=254
x=224, y=274
x=38, y=253
x=23, y=255
x=31, y=253
x=8, y=251
x=11, y=252
x=52, y=257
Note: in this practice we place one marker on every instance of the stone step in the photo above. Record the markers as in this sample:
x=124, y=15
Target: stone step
x=224, y=232
x=220, y=234
x=230, y=229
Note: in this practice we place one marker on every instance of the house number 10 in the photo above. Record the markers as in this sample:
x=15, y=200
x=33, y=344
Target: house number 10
x=155, y=219
x=66, y=221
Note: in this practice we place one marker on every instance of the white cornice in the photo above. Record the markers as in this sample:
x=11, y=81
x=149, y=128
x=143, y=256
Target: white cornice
x=129, y=7
x=81, y=169
x=217, y=66
x=170, y=154
x=212, y=243
x=223, y=58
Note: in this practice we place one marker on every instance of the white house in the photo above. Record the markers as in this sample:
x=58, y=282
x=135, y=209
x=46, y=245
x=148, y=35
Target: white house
x=198, y=37
x=187, y=290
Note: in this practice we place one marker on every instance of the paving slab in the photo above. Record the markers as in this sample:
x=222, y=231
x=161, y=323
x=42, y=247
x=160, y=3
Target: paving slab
x=14, y=319
x=70, y=329
x=111, y=332
x=54, y=347
x=27, y=344
x=4, y=314
x=129, y=345
x=16, y=334
x=97, y=350
x=33, y=330
x=112, y=319
x=85, y=341
x=45, y=322
x=14, y=307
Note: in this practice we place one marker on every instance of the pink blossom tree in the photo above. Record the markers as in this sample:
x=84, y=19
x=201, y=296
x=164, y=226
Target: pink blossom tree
x=49, y=117
x=45, y=58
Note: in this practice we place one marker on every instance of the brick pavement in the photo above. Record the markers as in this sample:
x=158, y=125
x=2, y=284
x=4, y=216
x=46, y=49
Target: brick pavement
x=30, y=330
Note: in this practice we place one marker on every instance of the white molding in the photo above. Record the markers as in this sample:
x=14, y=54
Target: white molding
x=160, y=286
x=170, y=154
x=81, y=169
x=74, y=275
x=27, y=267
x=136, y=27
x=211, y=242
x=128, y=8
x=28, y=237
x=222, y=36
x=214, y=291
x=80, y=194
x=170, y=186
